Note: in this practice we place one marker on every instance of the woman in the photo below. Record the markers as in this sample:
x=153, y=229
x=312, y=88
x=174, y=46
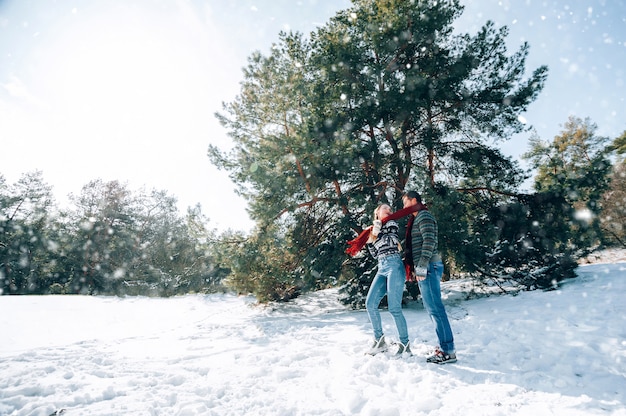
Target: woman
x=383, y=245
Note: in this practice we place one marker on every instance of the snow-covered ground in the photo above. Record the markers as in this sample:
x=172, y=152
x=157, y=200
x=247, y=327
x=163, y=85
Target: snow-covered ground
x=559, y=352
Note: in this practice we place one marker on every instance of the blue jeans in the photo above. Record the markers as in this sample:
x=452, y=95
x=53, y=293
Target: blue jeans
x=389, y=280
x=431, y=297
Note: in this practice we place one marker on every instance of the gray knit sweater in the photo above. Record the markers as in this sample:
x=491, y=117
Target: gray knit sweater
x=424, y=235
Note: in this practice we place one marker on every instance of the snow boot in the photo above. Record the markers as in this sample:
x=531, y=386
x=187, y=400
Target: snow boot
x=379, y=346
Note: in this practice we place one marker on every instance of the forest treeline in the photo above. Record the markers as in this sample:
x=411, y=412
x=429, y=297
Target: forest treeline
x=111, y=240
x=383, y=98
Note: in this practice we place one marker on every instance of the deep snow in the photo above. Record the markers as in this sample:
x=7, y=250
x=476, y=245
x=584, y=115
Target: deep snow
x=560, y=352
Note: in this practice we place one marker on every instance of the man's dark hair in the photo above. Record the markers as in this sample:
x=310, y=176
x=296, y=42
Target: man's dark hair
x=413, y=194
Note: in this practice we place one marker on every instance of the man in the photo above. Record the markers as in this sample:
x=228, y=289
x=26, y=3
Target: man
x=420, y=253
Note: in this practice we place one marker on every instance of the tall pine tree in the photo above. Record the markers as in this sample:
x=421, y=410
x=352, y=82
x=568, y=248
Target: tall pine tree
x=382, y=98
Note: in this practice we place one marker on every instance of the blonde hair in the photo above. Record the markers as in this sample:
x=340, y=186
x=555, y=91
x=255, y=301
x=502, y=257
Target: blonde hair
x=378, y=209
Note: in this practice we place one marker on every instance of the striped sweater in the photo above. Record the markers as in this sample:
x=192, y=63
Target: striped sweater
x=424, y=235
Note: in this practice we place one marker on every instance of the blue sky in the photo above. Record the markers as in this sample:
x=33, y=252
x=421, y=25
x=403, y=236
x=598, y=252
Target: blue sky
x=127, y=89
x=584, y=45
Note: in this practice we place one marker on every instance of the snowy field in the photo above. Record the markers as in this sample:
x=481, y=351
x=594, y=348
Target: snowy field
x=560, y=352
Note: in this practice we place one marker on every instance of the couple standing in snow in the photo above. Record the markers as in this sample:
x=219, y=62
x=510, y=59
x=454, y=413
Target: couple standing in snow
x=422, y=262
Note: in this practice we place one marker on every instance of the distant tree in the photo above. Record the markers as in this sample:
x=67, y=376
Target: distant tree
x=613, y=217
x=619, y=144
x=137, y=244
x=103, y=226
x=576, y=166
x=204, y=273
x=538, y=237
x=27, y=235
x=176, y=256
x=381, y=98
x=111, y=242
x=530, y=248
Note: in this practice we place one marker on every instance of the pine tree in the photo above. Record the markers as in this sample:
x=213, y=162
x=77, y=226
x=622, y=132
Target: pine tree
x=27, y=235
x=576, y=166
x=382, y=98
x=613, y=217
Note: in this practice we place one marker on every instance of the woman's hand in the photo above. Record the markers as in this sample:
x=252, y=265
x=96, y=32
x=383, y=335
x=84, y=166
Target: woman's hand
x=378, y=224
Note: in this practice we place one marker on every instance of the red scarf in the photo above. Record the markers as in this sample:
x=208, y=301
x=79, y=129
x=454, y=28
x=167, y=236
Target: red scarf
x=359, y=242
x=408, y=246
x=408, y=252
